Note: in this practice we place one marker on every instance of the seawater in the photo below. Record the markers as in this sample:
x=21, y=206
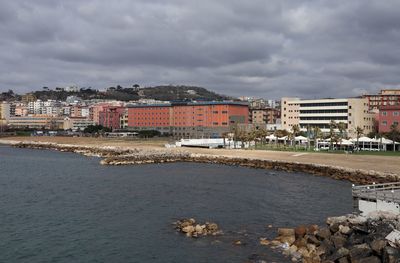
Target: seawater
x=62, y=207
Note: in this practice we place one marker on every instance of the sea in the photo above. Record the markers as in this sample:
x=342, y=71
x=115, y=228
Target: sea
x=64, y=207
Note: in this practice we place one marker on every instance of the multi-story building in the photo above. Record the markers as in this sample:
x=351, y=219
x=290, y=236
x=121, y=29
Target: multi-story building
x=77, y=123
x=36, y=122
x=21, y=110
x=189, y=119
x=264, y=116
x=124, y=120
x=386, y=97
x=110, y=117
x=353, y=112
x=4, y=113
x=388, y=116
x=29, y=97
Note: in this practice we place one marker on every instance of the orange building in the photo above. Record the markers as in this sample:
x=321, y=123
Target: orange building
x=189, y=119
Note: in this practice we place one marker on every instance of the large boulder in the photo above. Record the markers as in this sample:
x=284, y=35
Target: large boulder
x=338, y=241
x=323, y=233
x=391, y=255
x=359, y=252
x=378, y=245
x=300, y=231
x=336, y=220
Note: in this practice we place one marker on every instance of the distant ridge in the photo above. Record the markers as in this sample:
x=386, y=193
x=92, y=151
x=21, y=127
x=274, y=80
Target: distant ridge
x=162, y=92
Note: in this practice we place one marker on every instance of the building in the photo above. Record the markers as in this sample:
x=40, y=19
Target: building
x=4, y=110
x=124, y=120
x=110, y=117
x=29, y=97
x=77, y=123
x=36, y=122
x=353, y=112
x=386, y=97
x=189, y=119
x=388, y=116
x=264, y=115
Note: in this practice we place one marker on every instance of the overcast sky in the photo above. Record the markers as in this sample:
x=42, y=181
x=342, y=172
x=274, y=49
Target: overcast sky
x=258, y=48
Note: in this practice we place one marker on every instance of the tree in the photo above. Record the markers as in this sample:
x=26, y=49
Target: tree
x=359, y=132
x=342, y=128
x=332, y=126
x=394, y=134
x=295, y=132
x=224, y=136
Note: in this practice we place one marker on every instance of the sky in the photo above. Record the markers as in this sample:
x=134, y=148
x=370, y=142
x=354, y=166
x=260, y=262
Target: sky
x=261, y=48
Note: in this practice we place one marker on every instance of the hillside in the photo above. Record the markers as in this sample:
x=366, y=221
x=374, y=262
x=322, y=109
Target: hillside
x=167, y=93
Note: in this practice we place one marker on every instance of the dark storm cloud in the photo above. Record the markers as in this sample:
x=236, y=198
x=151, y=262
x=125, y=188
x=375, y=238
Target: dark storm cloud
x=262, y=48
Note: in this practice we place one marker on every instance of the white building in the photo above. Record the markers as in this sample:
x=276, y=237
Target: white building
x=352, y=112
x=36, y=107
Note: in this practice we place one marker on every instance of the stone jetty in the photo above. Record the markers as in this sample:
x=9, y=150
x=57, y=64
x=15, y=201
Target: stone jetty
x=133, y=156
x=190, y=228
x=346, y=239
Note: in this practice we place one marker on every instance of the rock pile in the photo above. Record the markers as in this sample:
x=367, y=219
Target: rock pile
x=346, y=239
x=191, y=229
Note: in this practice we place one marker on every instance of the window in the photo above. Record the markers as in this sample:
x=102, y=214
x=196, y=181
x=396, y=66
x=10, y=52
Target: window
x=384, y=123
x=395, y=123
x=395, y=113
x=384, y=113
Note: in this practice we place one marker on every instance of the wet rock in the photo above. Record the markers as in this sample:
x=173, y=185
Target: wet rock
x=300, y=231
x=323, y=233
x=188, y=227
x=377, y=246
x=312, y=239
x=336, y=220
x=371, y=259
x=340, y=253
x=338, y=241
x=359, y=252
x=345, y=230
x=391, y=255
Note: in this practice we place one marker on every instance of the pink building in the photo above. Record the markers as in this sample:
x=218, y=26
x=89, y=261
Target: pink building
x=388, y=116
x=110, y=117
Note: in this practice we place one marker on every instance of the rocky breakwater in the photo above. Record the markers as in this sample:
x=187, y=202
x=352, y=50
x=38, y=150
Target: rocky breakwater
x=190, y=228
x=147, y=156
x=339, y=173
x=345, y=239
x=99, y=151
x=130, y=156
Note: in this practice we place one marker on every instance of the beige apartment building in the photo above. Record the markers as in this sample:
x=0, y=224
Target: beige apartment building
x=4, y=113
x=353, y=112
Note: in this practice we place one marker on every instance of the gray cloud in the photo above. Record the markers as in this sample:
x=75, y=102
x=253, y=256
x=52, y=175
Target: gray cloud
x=261, y=48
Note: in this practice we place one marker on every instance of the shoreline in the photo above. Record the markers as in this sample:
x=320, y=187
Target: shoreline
x=119, y=155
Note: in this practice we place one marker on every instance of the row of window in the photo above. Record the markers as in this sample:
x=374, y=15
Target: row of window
x=395, y=113
x=323, y=104
x=385, y=123
x=324, y=118
x=323, y=111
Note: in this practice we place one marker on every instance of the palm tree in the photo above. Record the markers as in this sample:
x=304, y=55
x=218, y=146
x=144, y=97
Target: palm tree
x=394, y=134
x=332, y=126
x=224, y=136
x=342, y=128
x=295, y=132
x=317, y=133
x=359, y=132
